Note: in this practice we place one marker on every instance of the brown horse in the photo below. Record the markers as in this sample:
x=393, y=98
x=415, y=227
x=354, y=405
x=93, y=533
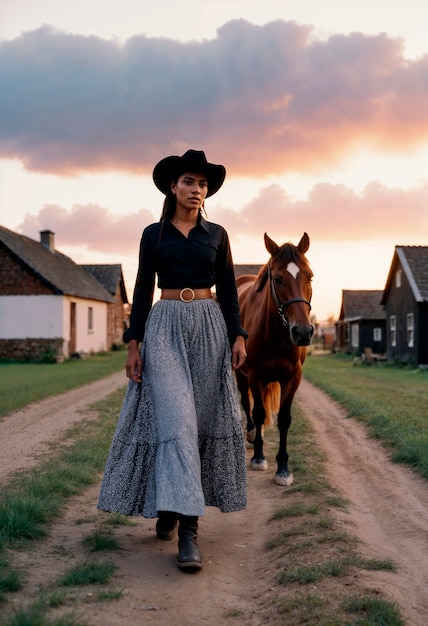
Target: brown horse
x=275, y=308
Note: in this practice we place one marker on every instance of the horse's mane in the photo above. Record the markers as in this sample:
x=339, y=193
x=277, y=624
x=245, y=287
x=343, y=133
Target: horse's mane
x=262, y=277
x=287, y=253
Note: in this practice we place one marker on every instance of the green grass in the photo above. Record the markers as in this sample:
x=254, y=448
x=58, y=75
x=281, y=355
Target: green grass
x=390, y=400
x=116, y=519
x=36, y=615
x=33, y=499
x=307, y=609
x=298, y=508
x=9, y=579
x=110, y=594
x=369, y=611
x=23, y=383
x=22, y=516
x=89, y=573
x=336, y=567
x=310, y=608
x=100, y=541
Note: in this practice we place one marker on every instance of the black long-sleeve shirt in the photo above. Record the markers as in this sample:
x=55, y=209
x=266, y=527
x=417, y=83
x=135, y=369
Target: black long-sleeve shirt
x=203, y=259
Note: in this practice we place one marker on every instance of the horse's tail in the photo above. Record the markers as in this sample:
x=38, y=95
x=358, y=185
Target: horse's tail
x=271, y=402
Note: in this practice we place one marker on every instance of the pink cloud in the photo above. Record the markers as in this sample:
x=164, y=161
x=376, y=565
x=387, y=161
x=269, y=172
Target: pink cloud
x=90, y=226
x=333, y=213
x=330, y=213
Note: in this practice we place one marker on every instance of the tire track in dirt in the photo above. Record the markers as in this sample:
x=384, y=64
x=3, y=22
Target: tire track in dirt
x=388, y=508
x=26, y=434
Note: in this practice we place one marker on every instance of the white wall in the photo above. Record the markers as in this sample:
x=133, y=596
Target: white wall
x=31, y=316
x=89, y=341
x=48, y=317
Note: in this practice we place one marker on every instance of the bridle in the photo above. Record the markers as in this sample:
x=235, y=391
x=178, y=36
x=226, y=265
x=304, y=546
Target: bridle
x=283, y=305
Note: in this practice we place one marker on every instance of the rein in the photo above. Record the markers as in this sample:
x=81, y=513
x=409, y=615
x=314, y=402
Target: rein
x=283, y=305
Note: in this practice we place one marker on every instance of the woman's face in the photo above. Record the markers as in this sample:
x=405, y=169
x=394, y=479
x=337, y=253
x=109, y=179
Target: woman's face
x=190, y=190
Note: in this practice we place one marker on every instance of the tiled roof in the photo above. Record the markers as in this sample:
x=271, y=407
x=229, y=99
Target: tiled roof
x=362, y=304
x=417, y=268
x=414, y=262
x=110, y=276
x=54, y=269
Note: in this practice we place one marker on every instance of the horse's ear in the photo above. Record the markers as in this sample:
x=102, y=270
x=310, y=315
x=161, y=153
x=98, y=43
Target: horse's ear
x=304, y=243
x=271, y=246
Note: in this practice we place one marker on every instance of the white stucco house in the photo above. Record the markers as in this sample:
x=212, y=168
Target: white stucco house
x=51, y=305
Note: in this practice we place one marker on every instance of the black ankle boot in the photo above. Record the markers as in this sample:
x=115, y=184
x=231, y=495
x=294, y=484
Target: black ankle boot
x=189, y=556
x=166, y=524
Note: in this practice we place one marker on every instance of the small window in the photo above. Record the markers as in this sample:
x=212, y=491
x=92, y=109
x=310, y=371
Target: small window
x=377, y=334
x=393, y=330
x=410, y=330
x=90, y=319
x=355, y=336
x=398, y=278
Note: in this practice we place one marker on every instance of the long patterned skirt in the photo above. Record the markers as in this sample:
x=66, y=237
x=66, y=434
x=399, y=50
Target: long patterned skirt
x=179, y=443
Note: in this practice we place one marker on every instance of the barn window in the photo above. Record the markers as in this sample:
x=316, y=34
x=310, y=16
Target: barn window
x=398, y=278
x=354, y=336
x=377, y=334
x=393, y=330
x=90, y=319
x=410, y=330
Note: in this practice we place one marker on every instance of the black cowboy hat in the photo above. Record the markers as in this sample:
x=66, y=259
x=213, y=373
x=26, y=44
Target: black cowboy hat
x=192, y=161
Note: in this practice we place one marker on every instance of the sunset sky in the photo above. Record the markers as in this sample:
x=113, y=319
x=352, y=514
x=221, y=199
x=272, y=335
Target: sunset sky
x=317, y=108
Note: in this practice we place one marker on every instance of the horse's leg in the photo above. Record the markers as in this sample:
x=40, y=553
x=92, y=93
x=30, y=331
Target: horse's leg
x=283, y=476
x=244, y=390
x=258, y=461
x=251, y=427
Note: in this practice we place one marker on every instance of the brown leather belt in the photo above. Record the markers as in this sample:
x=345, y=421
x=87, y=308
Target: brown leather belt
x=186, y=295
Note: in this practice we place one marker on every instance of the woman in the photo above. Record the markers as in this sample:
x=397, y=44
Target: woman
x=179, y=444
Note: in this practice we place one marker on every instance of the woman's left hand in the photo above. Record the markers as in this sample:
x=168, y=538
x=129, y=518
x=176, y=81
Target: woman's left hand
x=239, y=353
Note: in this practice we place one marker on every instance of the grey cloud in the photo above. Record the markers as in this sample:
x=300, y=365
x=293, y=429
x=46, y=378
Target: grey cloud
x=262, y=99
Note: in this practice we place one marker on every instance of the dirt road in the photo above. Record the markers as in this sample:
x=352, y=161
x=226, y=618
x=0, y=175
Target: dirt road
x=388, y=512
x=388, y=503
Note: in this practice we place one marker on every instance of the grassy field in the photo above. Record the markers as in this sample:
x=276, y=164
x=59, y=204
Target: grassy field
x=391, y=401
x=23, y=383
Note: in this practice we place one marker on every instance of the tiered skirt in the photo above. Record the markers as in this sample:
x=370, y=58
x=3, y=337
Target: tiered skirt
x=179, y=443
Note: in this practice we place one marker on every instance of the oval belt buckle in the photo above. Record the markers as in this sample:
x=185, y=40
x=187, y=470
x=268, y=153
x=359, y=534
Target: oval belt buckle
x=191, y=292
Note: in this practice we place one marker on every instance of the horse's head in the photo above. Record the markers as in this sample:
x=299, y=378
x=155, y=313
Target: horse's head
x=290, y=278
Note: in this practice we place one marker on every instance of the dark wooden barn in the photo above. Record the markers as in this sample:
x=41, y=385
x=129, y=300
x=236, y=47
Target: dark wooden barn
x=361, y=326
x=405, y=300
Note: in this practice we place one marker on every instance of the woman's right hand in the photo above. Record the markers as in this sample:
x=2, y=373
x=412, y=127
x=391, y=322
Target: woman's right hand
x=133, y=362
